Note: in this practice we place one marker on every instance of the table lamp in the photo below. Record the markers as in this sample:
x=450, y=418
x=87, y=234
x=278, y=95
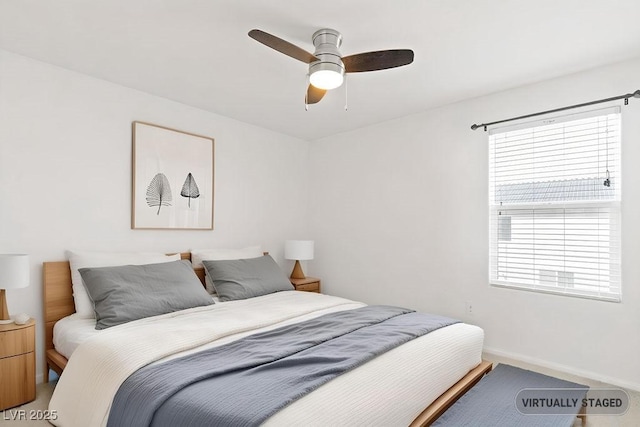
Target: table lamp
x=298, y=250
x=14, y=273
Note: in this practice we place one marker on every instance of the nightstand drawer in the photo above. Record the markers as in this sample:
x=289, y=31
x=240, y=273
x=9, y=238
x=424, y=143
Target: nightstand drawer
x=309, y=287
x=18, y=375
x=17, y=341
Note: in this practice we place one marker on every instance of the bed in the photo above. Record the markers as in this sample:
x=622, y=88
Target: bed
x=424, y=376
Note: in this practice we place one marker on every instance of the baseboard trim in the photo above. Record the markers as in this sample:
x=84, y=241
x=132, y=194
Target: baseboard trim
x=562, y=368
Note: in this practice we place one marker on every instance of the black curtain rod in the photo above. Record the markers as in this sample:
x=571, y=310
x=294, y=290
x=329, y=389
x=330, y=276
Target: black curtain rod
x=626, y=97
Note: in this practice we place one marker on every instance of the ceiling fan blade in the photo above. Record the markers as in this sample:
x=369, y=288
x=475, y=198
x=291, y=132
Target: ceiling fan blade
x=379, y=60
x=314, y=95
x=282, y=46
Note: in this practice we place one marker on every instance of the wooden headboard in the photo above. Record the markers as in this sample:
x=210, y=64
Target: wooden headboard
x=58, y=293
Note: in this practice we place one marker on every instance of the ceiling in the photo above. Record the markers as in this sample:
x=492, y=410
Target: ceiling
x=198, y=53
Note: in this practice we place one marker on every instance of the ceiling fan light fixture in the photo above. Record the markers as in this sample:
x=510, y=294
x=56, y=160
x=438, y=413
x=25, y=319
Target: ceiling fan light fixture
x=327, y=78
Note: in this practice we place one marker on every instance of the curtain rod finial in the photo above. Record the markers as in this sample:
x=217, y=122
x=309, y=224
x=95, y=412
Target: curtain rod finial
x=474, y=127
x=636, y=94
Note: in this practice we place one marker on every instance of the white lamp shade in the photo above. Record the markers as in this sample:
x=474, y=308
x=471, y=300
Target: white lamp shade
x=14, y=271
x=298, y=249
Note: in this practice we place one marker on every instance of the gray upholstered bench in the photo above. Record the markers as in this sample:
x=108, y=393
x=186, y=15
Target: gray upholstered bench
x=492, y=402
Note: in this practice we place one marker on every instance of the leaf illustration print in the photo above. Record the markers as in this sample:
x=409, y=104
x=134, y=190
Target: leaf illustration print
x=159, y=192
x=190, y=188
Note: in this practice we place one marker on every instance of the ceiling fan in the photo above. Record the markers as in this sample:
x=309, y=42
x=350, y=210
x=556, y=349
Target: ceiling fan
x=326, y=65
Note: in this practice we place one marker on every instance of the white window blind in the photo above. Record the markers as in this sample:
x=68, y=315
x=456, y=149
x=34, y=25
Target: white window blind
x=554, y=199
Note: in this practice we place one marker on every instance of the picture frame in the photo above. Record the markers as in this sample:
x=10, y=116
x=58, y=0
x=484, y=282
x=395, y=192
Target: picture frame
x=172, y=179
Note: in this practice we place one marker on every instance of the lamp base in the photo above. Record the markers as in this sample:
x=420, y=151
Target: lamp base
x=4, y=311
x=6, y=322
x=297, y=272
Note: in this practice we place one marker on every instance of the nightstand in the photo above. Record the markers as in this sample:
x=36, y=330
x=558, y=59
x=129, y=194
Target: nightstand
x=17, y=364
x=308, y=284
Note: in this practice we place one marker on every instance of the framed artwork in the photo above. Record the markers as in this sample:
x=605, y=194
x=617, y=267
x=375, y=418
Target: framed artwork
x=172, y=179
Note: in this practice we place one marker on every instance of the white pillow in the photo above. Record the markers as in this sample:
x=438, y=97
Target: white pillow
x=84, y=306
x=199, y=255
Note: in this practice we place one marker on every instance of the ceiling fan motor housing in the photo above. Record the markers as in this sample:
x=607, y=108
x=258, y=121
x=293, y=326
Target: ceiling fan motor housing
x=327, y=42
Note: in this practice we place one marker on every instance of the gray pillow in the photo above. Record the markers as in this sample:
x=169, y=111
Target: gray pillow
x=246, y=278
x=130, y=292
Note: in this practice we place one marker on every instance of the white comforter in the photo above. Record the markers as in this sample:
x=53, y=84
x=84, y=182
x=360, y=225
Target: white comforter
x=390, y=390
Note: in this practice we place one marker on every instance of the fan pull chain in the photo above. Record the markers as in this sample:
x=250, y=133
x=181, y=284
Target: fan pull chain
x=346, y=93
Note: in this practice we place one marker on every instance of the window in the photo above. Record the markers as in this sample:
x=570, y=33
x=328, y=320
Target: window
x=554, y=200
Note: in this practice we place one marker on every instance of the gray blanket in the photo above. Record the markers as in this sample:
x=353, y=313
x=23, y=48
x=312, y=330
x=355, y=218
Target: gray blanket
x=245, y=382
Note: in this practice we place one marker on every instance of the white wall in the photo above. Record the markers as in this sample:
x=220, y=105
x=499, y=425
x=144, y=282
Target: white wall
x=65, y=174
x=399, y=214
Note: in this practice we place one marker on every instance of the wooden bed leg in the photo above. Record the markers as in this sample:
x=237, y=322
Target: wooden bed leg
x=46, y=372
